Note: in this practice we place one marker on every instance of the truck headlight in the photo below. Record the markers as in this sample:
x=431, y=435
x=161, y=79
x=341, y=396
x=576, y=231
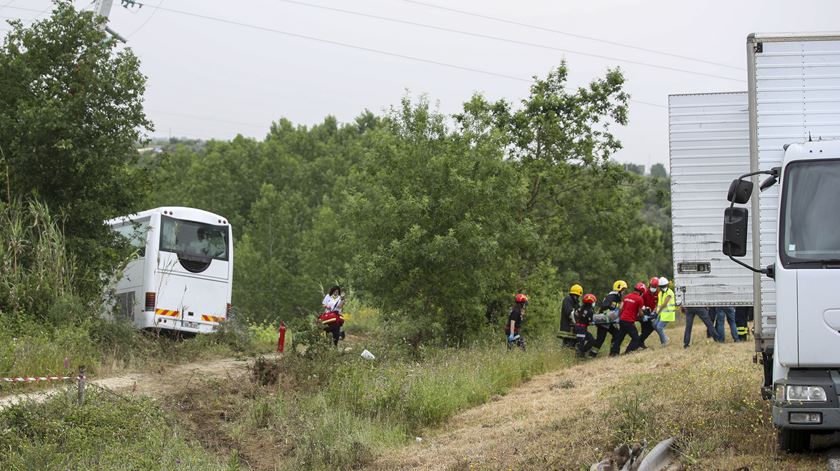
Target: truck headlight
x=805, y=393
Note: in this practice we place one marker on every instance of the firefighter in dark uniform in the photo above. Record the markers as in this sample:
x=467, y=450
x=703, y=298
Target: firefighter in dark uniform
x=514, y=323
x=607, y=320
x=582, y=318
x=570, y=304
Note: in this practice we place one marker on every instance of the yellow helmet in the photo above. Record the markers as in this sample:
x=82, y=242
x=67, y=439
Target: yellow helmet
x=619, y=285
x=576, y=289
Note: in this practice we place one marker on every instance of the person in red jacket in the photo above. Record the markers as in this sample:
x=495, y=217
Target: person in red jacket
x=631, y=311
x=648, y=311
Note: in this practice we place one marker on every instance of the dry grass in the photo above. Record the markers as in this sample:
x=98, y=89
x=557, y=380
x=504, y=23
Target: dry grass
x=706, y=396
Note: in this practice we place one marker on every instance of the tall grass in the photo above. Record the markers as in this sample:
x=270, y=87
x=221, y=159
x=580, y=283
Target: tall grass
x=35, y=270
x=105, y=433
x=340, y=411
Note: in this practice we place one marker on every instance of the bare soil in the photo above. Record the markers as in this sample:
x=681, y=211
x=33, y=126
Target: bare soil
x=164, y=381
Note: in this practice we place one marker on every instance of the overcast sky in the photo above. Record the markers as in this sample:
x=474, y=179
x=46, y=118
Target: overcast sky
x=209, y=79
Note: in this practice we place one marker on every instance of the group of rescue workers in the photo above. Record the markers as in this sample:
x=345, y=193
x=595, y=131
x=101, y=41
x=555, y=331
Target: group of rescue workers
x=653, y=306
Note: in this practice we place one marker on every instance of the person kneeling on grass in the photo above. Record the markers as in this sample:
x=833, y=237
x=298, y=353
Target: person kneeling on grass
x=331, y=319
x=582, y=318
x=514, y=323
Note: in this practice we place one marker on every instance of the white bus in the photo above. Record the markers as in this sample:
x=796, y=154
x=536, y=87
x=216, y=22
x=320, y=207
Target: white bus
x=182, y=275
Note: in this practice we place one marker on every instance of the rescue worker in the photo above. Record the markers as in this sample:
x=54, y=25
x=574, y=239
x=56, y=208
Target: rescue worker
x=648, y=321
x=331, y=319
x=743, y=315
x=607, y=318
x=631, y=311
x=666, y=309
x=570, y=303
x=514, y=323
x=583, y=317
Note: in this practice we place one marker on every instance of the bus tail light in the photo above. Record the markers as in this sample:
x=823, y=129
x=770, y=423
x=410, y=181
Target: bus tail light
x=150, y=301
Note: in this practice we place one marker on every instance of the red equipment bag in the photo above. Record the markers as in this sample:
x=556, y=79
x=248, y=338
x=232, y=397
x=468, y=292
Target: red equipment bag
x=331, y=318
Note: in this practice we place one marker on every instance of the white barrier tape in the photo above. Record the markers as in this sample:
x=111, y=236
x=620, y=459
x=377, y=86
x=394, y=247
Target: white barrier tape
x=32, y=379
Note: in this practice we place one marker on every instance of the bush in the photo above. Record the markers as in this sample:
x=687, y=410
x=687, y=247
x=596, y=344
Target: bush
x=107, y=432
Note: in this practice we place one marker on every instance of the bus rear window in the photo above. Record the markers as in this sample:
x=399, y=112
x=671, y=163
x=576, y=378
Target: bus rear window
x=194, y=240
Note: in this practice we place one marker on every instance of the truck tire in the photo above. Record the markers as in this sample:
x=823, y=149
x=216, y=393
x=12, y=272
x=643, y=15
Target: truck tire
x=794, y=441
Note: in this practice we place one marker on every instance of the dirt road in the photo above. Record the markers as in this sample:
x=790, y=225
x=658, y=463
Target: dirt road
x=163, y=382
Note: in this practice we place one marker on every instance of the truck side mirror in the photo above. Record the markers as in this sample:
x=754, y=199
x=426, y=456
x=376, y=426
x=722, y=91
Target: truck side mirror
x=735, y=229
x=739, y=191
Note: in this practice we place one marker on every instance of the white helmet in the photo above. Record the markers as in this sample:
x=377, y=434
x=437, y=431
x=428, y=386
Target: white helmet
x=663, y=281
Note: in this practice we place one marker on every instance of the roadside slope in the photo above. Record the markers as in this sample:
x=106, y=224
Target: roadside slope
x=707, y=396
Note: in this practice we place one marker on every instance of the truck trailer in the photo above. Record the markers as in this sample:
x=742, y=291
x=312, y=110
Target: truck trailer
x=709, y=143
x=794, y=220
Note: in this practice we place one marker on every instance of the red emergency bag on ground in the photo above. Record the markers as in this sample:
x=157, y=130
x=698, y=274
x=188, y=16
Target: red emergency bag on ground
x=331, y=318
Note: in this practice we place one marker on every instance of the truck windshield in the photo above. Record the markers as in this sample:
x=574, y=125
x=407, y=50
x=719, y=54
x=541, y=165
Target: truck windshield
x=811, y=213
x=194, y=240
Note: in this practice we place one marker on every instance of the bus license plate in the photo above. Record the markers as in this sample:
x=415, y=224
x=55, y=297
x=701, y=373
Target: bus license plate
x=190, y=325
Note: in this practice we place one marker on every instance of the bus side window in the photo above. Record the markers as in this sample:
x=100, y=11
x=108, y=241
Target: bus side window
x=136, y=234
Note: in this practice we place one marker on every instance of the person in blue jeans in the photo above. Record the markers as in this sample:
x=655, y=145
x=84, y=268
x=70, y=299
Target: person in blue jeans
x=703, y=314
x=724, y=315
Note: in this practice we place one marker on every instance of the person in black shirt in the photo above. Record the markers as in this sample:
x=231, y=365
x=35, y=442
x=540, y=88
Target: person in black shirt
x=514, y=323
x=607, y=319
x=583, y=317
x=570, y=303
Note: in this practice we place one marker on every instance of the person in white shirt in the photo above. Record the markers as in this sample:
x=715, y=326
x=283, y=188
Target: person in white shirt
x=331, y=318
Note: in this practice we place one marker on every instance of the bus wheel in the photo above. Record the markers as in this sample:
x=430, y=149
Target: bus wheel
x=794, y=441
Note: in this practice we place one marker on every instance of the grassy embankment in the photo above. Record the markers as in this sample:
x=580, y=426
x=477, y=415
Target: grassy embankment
x=340, y=411
x=324, y=410
x=707, y=397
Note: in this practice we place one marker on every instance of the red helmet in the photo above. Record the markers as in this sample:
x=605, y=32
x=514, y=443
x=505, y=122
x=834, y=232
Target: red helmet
x=654, y=282
x=589, y=298
x=640, y=287
x=521, y=298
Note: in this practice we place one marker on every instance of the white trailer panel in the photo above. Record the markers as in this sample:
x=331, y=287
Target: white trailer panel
x=709, y=147
x=795, y=95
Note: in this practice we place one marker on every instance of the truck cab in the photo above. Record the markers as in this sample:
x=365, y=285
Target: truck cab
x=806, y=351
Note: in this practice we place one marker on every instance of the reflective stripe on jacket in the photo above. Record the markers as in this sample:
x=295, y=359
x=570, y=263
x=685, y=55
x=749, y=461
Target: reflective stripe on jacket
x=669, y=312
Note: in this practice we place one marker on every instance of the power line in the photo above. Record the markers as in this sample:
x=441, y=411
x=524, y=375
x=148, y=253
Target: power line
x=509, y=40
x=361, y=48
x=7, y=4
x=574, y=35
x=22, y=8
x=148, y=19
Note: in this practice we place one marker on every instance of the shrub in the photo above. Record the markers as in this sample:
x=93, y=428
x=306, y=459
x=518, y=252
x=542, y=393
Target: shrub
x=107, y=432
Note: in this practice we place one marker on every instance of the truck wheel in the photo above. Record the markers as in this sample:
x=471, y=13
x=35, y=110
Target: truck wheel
x=794, y=441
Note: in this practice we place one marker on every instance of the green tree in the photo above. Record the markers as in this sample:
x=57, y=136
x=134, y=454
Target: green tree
x=434, y=223
x=71, y=112
x=658, y=170
x=634, y=168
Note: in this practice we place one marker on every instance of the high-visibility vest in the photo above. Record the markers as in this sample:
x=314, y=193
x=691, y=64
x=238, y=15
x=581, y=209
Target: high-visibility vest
x=669, y=312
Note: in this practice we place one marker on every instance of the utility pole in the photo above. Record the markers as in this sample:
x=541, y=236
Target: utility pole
x=102, y=10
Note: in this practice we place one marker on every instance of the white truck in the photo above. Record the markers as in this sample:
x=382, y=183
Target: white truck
x=709, y=143
x=181, y=277
x=794, y=124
